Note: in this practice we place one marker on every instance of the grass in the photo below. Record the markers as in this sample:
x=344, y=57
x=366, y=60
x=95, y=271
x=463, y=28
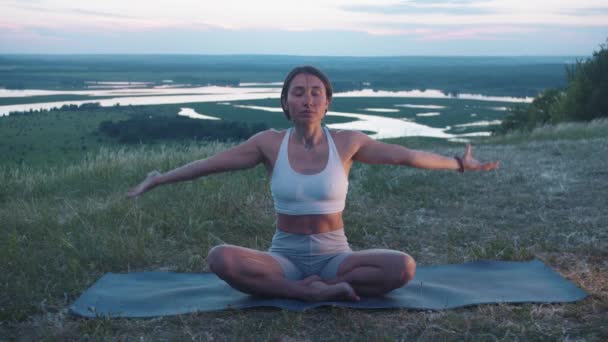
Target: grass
x=63, y=227
x=567, y=130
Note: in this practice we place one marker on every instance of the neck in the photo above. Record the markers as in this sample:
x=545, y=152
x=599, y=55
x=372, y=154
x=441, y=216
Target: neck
x=309, y=136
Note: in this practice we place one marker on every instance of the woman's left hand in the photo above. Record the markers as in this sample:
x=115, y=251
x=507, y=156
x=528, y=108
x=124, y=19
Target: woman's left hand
x=470, y=163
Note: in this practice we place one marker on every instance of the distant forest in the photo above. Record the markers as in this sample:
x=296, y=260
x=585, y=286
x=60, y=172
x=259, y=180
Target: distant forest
x=154, y=128
x=513, y=76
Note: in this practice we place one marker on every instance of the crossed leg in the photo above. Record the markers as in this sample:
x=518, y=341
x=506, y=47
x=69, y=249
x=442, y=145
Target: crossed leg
x=258, y=273
x=374, y=272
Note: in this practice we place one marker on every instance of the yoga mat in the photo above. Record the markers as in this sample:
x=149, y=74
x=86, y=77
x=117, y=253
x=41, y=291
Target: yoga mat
x=149, y=294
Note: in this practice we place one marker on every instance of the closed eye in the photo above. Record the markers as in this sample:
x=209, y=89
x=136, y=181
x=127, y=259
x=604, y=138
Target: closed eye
x=299, y=91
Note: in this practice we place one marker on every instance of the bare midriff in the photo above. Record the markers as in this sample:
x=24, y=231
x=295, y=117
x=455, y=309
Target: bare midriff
x=310, y=224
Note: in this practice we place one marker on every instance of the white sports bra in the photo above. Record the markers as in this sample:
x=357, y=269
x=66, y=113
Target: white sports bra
x=299, y=194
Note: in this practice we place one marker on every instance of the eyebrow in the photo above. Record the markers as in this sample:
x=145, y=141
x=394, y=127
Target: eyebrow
x=302, y=87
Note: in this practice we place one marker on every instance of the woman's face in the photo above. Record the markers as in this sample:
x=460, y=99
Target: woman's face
x=306, y=99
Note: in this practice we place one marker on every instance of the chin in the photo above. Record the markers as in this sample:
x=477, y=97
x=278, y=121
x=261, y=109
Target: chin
x=308, y=120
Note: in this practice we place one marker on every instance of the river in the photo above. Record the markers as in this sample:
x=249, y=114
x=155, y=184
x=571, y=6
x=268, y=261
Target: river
x=384, y=127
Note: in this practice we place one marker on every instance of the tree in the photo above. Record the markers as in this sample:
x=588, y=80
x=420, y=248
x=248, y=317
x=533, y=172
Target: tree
x=587, y=90
x=585, y=97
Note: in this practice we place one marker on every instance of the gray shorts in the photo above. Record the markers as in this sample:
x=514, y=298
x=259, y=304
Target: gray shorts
x=303, y=255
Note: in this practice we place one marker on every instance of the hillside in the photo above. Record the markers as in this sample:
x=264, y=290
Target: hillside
x=65, y=226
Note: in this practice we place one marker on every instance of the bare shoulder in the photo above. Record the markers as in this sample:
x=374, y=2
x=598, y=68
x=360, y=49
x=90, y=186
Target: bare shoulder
x=349, y=142
x=348, y=137
x=268, y=143
x=269, y=136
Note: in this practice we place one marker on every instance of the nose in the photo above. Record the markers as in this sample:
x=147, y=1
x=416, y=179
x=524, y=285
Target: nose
x=307, y=99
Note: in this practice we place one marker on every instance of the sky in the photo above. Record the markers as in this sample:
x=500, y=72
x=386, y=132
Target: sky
x=305, y=27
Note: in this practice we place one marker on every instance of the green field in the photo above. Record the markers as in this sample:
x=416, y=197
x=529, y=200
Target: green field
x=65, y=226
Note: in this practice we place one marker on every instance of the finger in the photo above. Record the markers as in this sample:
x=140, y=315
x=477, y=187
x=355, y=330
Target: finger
x=467, y=154
x=132, y=193
x=489, y=166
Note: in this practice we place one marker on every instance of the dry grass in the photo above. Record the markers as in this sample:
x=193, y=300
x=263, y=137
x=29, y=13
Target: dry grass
x=63, y=228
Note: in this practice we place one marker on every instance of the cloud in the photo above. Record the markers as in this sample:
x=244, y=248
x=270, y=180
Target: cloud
x=381, y=17
x=413, y=20
x=101, y=14
x=464, y=7
x=477, y=33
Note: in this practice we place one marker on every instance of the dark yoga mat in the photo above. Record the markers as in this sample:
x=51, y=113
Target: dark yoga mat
x=149, y=294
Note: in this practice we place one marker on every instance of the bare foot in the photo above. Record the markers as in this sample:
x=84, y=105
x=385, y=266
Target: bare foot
x=307, y=281
x=339, y=291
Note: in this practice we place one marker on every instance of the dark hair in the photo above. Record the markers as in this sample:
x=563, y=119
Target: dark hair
x=306, y=69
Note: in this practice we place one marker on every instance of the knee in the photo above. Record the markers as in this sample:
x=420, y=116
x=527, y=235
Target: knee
x=219, y=259
x=407, y=269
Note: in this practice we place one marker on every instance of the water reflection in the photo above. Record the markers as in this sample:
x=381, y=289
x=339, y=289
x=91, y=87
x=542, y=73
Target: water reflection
x=381, y=110
x=480, y=123
x=266, y=109
x=431, y=93
x=407, y=105
x=159, y=90
x=475, y=134
x=144, y=100
x=383, y=127
x=116, y=85
x=191, y=113
x=167, y=95
x=386, y=128
x=255, y=84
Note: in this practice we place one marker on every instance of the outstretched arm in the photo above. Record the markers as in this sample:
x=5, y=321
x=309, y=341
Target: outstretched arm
x=374, y=152
x=245, y=155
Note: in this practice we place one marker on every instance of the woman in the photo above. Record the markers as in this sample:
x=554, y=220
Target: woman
x=310, y=258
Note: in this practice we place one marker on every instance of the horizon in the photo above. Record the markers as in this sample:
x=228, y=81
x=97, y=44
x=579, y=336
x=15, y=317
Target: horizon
x=331, y=28
x=160, y=54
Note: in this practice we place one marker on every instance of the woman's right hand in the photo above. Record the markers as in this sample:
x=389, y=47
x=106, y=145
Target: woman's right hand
x=147, y=184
